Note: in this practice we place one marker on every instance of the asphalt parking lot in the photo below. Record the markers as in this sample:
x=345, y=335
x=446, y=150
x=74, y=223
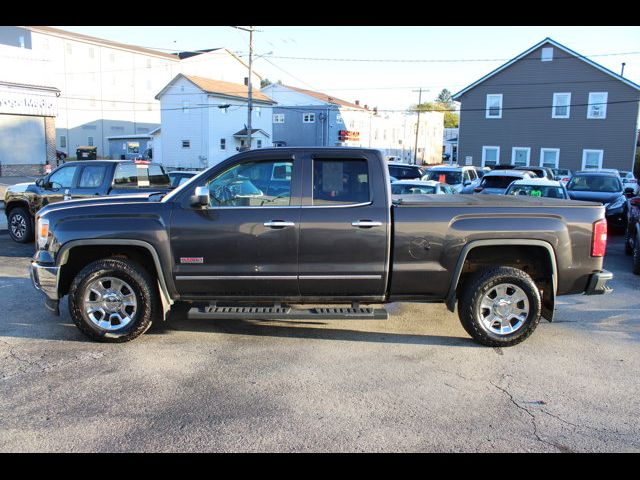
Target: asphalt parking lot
x=413, y=383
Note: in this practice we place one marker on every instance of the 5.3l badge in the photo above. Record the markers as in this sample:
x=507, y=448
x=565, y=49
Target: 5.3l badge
x=191, y=259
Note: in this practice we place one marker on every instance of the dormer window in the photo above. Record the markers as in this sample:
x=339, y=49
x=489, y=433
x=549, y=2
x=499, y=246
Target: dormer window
x=547, y=54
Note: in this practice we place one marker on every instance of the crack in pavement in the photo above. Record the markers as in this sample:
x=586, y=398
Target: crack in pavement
x=533, y=421
x=43, y=368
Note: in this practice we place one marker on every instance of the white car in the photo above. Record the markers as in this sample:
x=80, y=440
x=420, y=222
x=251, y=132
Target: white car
x=458, y=178
x=629, y=181
x=538, y=187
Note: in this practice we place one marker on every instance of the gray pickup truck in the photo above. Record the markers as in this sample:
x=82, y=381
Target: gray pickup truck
x=267, y=231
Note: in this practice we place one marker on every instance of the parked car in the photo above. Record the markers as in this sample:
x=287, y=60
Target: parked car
x=405, y=171
x=632, y=234
x=502, y=166
x=420, y=187
x=393, y=179
x=178, y=177
x=457, y=177
x=78, y=180
x=496, y=182
x=541, y=172
x=335, y=238
x=604, y=187
x=480, y=171
x=629, y=181
x=562, y=175
x=538, y=187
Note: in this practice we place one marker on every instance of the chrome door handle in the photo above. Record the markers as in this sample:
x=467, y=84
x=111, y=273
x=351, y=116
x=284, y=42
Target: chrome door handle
x=365, y=224
x=278, y=224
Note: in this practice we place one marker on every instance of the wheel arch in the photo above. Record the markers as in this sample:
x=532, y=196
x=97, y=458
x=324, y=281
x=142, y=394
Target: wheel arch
x=137, y=250
x=506, y=246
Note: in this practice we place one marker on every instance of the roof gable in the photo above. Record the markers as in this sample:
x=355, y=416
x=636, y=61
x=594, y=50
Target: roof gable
x=536, y=46
x=323, y=97
x=219, y=87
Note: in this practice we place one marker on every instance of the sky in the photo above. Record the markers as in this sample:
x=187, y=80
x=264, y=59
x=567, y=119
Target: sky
x=457, y=56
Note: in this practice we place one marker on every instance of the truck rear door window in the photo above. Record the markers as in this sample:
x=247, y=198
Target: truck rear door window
x=340, y=182
x=92, y=176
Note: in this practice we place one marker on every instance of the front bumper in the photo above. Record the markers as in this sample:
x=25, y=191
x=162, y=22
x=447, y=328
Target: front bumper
x=597, y=283
x=46, y=278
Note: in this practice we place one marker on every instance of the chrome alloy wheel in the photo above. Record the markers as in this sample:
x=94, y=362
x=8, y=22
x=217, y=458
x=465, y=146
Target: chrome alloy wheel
x=18, y=225
x=110, y=303
x=504, y=309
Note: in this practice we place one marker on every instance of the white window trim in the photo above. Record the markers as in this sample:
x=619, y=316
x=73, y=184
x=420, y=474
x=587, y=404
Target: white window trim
x=486, y=112
x=555, y=104
x=278, y=118
x=542, y=152
x=604, y=106
x=584, y=158
x=513, y=155
x=484, y=151
x=546, y=58
x=313, y=115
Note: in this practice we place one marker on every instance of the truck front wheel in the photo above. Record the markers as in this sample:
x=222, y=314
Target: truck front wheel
x=113, y=300
x=20, y=228
x=500, y=306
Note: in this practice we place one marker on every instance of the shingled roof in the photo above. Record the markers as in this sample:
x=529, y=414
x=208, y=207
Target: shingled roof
x=219, y=87
x=324, y=97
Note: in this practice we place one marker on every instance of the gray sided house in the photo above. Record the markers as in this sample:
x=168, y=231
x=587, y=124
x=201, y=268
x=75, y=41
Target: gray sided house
x=549, y=106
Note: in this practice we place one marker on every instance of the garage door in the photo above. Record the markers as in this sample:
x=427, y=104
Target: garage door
x=22, y=140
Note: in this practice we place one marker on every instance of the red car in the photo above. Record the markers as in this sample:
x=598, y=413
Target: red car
x=632, y=235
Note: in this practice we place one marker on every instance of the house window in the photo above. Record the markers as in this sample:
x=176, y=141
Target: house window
x=592, y=159
x=186, y=143
x=309, y=118
x=520, y=156
x=90, y=141
x=547, y=54
x=494, y=106
x=258, y=112
x=63, y=141
x=223, y=144
x=490, y=156
x=278, y=118
x=549, y=157
x=185, y=107
x=597, y=105
x=339, y=118
x=259, y=143
x=561, y=105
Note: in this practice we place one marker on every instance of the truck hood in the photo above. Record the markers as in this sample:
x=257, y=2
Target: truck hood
x=98, y=201
x=20, y=187
x=600, y=197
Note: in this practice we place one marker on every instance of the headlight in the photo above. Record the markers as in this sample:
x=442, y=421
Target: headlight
x=616, y=204
x=42, y=231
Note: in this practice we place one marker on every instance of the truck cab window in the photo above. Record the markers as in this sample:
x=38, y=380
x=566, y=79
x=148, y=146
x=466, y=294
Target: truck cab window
x=340, y=182
x=63, y=178
x=253, y=184
x=92, y=176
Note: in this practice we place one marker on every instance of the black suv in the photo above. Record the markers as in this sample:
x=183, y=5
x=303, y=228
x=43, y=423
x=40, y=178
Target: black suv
x=405, y=171
x=79, y=180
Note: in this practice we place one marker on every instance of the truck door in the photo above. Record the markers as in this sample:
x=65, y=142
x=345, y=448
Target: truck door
x=91, y=181
x=245, y=243
x=344, y=227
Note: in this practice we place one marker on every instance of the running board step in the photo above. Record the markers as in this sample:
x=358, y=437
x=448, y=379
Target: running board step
x=288, y=313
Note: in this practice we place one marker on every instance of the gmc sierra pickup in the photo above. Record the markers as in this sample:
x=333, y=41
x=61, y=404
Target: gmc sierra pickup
x=268, y=230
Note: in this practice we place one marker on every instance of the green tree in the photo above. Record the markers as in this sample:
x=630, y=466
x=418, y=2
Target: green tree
x=451, y=119
x=445, y=97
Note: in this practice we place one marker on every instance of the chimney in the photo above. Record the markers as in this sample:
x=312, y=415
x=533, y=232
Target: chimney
x=375, y=110
x=366, y=107
x=358, y=102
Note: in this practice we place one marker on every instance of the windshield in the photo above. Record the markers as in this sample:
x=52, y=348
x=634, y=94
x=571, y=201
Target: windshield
x=498, y=181
x=450, y=177
x=594, y=183
x=549, y=191
x=400, y=189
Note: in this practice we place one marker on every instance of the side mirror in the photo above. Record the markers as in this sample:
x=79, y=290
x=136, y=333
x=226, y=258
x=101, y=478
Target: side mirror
x=629, y=192
x=201, y=197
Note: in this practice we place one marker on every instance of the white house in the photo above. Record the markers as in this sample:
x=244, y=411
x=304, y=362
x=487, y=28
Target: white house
x=105, y=88
x=204, y=121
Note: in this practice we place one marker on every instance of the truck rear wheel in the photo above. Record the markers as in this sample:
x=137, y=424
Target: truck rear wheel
x=500, y=306
x=113, y=300
x=20, y=227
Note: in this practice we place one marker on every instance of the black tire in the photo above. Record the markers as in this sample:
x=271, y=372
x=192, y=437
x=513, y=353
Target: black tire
x=482, y=283
x=20, y=218
x=628, y=246
x=636, y=257
x=143, y=286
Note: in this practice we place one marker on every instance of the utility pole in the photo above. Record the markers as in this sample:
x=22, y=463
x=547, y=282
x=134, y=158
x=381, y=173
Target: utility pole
x=249, y=85
x=415, y=149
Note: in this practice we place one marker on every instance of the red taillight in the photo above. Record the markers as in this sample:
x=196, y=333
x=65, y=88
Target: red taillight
x=477, y=189
x=599, y=239
x=565, y=179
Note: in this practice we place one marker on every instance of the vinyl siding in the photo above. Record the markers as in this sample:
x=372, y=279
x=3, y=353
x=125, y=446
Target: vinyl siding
x=531, y=83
